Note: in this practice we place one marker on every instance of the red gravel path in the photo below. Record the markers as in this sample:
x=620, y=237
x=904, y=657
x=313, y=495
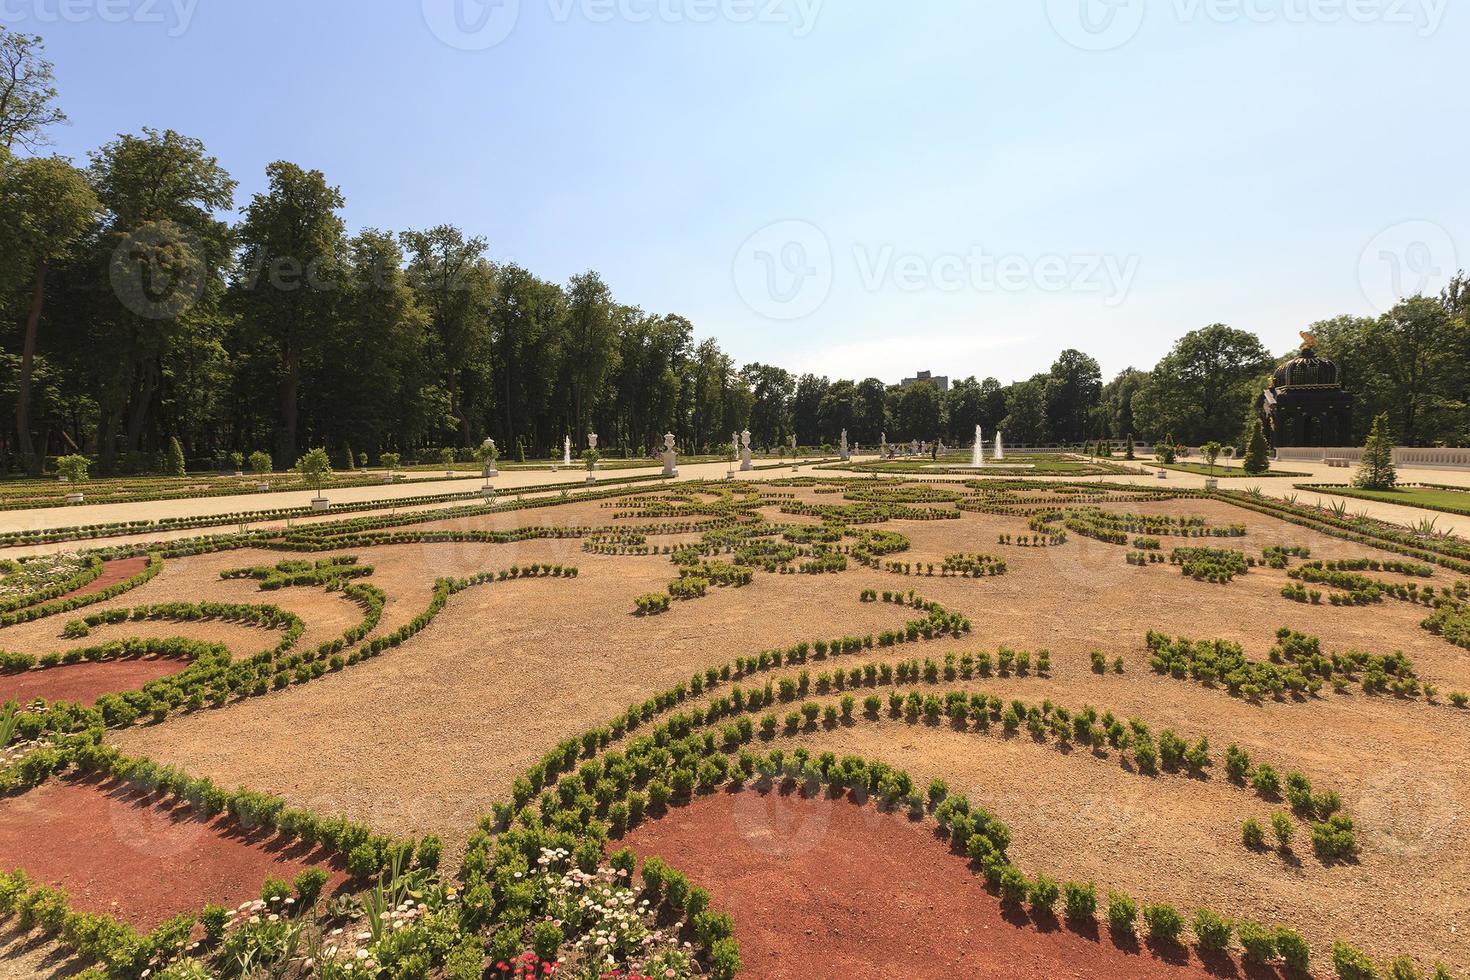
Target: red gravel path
x=113, y=572
x=86, y=682
x=822, y=888
x=141, y=861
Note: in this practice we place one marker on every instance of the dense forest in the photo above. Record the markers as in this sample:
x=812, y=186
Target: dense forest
x=139, y=301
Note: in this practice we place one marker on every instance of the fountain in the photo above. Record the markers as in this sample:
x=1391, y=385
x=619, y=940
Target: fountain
x=1000, y=451
x=977, y=457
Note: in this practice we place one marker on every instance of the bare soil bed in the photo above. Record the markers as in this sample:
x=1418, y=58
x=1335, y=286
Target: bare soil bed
x=141, y=860
x=86, y=682
x=829, y=888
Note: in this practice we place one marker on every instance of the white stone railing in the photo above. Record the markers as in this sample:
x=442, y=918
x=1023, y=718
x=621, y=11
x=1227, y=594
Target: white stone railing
x=1431, y=459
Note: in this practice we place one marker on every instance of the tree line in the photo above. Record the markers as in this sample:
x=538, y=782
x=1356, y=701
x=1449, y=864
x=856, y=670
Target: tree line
x=138, y=305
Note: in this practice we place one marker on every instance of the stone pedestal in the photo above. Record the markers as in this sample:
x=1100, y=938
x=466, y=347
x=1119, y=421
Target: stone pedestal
x=320, y=503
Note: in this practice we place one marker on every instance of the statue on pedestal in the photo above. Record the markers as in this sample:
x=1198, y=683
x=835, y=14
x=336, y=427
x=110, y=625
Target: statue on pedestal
x=566, y=451
x=745, y=464
x=671, y=459
x=843, y=450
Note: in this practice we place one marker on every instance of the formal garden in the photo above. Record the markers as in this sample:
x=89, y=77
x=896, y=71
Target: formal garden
x=746, y=725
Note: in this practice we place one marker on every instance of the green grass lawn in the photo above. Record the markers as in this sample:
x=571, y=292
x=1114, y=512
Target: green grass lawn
x=1429, y=498
x=1226, y=472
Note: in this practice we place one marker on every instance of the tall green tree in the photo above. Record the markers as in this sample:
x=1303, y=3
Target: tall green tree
x=1376, y=470
x=292, y=257
x=1204, y=386
x=448, y=273
x=27, y=93
x=46, y=207
x=157, y=277
x=1073, y=387
x=591, y=346
x=1025, y=420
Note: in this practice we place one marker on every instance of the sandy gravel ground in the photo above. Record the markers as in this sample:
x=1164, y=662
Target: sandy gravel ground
x=425, y=737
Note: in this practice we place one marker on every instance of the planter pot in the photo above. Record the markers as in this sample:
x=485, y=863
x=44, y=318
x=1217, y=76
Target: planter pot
x=320, y=503
x=262, y=486
x=591, y=478
x=74, y=498
x=1163, y=474
x=1212, y=484
x=387, y=477
x=238, y=473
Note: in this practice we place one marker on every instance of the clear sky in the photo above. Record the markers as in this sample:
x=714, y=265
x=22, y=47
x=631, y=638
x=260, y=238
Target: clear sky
x=851, y=187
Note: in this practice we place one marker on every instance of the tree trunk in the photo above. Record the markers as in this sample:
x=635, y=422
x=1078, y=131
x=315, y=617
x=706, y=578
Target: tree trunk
x=27, y=363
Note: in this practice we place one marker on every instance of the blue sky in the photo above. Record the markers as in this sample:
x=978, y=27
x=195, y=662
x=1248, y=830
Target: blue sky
x=850, y=187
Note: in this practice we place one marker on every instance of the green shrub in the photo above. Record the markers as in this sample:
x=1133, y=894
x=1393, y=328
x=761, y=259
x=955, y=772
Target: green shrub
x=1080, y=901
x=1164, y=922
x=1292, y=949
x=1122, y=913
x=1251, y=834
x=309, y=885
x=1044, y=893
x=1351, y=964
x=546, y=939
x=1259, y=942
x=1212, y=930
x=1013, y=885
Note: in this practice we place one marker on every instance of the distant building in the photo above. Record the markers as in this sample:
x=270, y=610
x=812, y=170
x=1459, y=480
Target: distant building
x=941, y=382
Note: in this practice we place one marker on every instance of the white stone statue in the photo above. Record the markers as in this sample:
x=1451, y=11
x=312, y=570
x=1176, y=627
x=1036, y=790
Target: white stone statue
x=490, y=469
x=745, y=463
x=671, y=459
x=592, y=440
x=845, y=452
x=566, y=451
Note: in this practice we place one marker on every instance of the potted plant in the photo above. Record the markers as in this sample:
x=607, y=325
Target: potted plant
x=590, y=457
x=315, y=469
x=260, y=463
x=238, y=459
x=73, y=469
x=390, y=463
x=1211, y=452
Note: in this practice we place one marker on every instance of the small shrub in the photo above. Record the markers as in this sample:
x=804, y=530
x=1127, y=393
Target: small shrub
x=1251, y=834
x=309, y=884
x=1164, y=922
x=1122, y=913
x=1212, y=930
x=1080, y=901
